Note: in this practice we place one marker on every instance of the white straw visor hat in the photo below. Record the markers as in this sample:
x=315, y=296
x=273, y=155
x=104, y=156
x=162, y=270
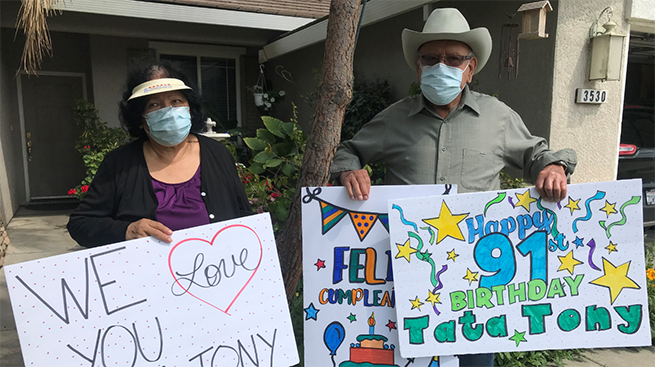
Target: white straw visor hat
x=448, y=24
x=157, y=86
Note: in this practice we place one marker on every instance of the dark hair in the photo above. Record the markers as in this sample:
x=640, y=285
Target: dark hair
x=131, y=112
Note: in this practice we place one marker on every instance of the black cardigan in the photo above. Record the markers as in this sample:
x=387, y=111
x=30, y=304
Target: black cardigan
x=122, y=193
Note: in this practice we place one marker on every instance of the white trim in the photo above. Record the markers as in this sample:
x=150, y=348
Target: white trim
x=376, y=11
x=183, y=13
x=21, y=118
x=197, y=50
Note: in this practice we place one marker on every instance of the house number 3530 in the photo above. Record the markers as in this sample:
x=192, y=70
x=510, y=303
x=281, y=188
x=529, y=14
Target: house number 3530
x=590, y=96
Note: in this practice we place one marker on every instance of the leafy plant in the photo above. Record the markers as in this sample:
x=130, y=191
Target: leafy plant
x=414, y=89
x=535, y=358
x=95, y=142
x=650, y=275
x=369, y=98
x=270, y=179
x=507, y=182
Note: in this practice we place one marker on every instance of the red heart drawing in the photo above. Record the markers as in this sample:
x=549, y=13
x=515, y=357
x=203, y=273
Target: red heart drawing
x=188, y=240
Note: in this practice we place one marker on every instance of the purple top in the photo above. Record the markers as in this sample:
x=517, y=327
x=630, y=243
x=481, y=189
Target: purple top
x=180, y=205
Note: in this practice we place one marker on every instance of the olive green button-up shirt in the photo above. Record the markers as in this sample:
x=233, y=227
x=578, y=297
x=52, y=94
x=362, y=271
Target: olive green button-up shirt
x=469, y=148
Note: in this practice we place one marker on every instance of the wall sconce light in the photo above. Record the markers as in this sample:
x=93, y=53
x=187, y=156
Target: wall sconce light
x=534, y=19
x=606, y=49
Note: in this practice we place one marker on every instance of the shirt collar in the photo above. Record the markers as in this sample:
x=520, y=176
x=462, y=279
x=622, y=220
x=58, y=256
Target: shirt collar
x=467, y=100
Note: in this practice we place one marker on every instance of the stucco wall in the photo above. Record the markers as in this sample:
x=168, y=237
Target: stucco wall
x=641, y=14
x=12, y=183
x=592, y=130
x=379, y=55
x=109, y=60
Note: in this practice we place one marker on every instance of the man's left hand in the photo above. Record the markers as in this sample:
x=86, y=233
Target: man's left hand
x=551, y=183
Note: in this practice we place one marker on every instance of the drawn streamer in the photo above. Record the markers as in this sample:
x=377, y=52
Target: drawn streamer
x=553, y=232
x=439, y=286
x=599, y=195
x=402, y=218
x=624, y=218
x=425, y=256
x=590, y=259
x=432, y=233
x=498, y=199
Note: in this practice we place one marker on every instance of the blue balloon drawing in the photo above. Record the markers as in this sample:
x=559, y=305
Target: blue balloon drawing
x=333, y=336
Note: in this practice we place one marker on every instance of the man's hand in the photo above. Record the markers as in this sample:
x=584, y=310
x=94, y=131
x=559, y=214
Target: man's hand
x=146, y=227
x=357, y=183
x=551, y=183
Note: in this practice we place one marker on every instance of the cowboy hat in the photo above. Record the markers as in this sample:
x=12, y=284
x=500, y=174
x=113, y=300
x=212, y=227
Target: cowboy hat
x=448, y=24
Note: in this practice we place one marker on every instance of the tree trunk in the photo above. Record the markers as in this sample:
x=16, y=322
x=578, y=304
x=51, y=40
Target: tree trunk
x=334, y=95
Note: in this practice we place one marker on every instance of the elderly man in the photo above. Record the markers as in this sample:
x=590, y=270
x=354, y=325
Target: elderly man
x=450, y=134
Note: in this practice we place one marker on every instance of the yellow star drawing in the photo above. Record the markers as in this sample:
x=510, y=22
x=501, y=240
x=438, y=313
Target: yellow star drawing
x=525, y=200
x=568, y=262
x=416, y=303
x=608, y=208
x=611, y=248
x=615, y=278
x=572, y=205
x=471, y=276
x=447, y=224
x=433, y=298
x=452, y=255
x=405, y=250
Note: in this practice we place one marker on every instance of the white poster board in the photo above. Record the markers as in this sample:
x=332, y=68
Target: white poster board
x=506, y=271
x=214, y=297
x=348, y=282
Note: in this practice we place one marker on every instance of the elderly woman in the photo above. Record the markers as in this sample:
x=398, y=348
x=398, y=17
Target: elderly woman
x=169, y=178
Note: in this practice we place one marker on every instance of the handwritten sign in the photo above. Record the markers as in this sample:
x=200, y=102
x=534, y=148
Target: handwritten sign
x=507, y=271
x=348, y=288
x=214, y=297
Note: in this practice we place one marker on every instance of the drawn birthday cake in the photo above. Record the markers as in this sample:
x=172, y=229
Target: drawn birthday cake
x=370, y=350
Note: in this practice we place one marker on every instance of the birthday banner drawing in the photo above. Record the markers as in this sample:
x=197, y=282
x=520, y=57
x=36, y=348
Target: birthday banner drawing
x=214, y=297
x=506, y=271
x=348, y=289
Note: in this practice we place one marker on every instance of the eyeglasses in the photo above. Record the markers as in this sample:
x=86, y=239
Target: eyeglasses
x=450, y=60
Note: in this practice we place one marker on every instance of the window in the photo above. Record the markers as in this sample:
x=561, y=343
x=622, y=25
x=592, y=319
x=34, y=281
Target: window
x=215, y=71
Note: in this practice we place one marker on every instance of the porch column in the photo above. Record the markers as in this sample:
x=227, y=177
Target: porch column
x=593, y=130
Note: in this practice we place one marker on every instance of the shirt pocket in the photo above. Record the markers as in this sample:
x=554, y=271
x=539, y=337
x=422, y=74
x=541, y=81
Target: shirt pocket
x=477, y=170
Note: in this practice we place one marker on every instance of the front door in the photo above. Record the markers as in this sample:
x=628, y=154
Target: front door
x=53, y=164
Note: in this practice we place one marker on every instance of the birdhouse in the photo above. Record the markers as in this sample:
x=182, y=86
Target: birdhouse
x=534, y=19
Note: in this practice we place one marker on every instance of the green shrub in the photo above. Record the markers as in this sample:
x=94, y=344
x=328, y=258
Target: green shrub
x=650, y=275
x=95, y=142
x=270, y=178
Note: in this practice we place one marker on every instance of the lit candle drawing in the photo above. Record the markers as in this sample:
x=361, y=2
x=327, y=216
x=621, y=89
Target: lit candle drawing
x=371, y=324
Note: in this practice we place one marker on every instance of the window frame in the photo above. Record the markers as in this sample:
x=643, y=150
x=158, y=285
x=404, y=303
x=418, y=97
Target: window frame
x=200, y=50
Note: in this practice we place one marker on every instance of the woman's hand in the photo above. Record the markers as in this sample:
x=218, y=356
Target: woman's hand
x=146, y=227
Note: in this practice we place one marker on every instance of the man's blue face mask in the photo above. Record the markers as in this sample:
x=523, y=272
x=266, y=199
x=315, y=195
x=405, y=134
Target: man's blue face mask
x=441, y=83
x=169, y=126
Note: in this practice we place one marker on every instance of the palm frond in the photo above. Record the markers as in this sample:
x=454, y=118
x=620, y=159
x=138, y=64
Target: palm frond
x=32, y=17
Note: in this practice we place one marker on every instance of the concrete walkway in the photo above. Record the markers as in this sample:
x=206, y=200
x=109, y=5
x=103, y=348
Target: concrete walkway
x=33, y=235
x=38, y=234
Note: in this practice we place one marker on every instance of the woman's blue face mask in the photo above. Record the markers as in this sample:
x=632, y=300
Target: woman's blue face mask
x=441, y=83
x=169, y=126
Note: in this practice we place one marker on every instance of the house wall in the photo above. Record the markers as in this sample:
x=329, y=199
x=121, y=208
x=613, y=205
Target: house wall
x=70, y=54
x=12, y=183
x=109, y=61
x=379, y=56
x=593, y=130
x=641, y=15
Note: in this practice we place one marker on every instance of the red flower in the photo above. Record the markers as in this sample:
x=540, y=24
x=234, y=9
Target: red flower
x=84, y=188
x=87, y=146
x=329, y=184
x=275, y=194
x=72, y=192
